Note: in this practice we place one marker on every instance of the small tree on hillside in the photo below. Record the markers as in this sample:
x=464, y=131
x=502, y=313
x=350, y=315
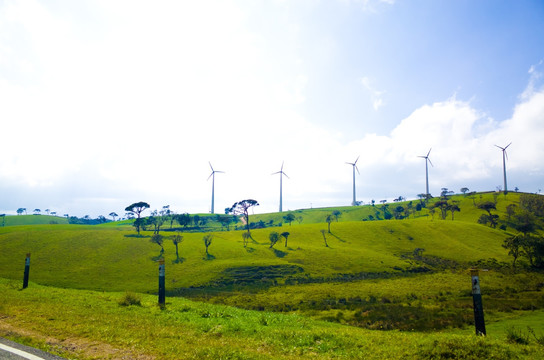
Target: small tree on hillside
x=242, y=208
x=177, y=239
x=137, y=208
x=328, y=220
x=289, y=218
x=245, y=238
x=159, y=240
x=336, y=214
x=207, y=239
x=113, y=215
x=285, y=234
x=274, y=237
x=487, y=206
x=513, y=245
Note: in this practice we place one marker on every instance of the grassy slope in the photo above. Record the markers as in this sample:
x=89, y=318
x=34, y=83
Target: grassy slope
x=86, y=324
x=33, y=220
x=90, y=257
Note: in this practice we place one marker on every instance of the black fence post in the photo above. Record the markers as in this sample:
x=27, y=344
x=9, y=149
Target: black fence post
x=478, y=306
x=161, y=283
x=27, y=271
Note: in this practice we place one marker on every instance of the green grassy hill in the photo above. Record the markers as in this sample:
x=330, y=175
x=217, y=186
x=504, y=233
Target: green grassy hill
x=16, y=220
x=410, y=275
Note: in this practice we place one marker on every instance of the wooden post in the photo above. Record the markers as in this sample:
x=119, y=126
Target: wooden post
x=27, y=270
x=478, y=306
x=161, y=283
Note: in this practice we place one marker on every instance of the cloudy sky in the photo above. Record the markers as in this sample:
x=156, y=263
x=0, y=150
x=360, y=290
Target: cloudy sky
x=105, y=103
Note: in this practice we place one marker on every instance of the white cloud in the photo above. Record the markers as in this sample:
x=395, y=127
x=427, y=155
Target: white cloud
x=375, y=95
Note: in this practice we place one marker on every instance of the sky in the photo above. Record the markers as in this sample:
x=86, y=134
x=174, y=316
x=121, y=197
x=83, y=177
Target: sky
x=107, y=103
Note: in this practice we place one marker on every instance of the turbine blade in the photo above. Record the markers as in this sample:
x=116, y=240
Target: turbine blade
x=507, y=146
x=356, y=159
x=356, y=168
x=210, y=165
x=282, y=165
x=429, y=152
x=210, y=175
x=429, y=160
x=285, y=175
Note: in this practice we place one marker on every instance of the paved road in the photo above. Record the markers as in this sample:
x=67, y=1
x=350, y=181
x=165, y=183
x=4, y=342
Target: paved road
x=10, y=350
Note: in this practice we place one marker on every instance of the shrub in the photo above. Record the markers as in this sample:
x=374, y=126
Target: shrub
x=130, y=298
x=515, y=336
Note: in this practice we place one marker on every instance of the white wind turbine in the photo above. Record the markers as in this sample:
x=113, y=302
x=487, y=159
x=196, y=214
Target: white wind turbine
x=427, y=161
x=212, y=175
x=281, y=177
x=504, y=158
x=354, y=164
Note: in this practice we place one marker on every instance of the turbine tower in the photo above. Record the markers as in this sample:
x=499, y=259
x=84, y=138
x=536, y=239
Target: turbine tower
x=354, y=164
x=212, y=175
x=281, y=177
x=427, y=161
x=504, y=157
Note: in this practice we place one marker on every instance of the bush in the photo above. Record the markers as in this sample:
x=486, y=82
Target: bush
x=130, y=298
x=515, y=336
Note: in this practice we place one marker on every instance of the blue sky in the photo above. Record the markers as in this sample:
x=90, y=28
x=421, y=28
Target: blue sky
x=104, y=103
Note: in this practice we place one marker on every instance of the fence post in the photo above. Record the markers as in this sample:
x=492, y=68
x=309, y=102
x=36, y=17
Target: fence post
x=477, y=300
x=161, y=283
x=27, y=271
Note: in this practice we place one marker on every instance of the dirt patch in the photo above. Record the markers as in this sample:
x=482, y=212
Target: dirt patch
x=74, y=346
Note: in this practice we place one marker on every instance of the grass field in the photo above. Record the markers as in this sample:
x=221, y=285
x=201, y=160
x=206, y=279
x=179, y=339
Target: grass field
x=309, y=299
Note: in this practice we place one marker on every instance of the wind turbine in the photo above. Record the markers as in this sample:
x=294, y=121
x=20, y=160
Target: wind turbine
x=504, y=157
x=281, y=177
x=354, y=164
x=427, y=160
x=212, y=175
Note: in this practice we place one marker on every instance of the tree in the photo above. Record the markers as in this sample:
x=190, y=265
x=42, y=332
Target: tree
x=183, y=219
x=289, y=218
x=285, y=234
x=299, y=219
x=177, y=239
x=336, y=214
x=453, y=208
x=37, y=211
x=513, y=245
x=328, y=220
x=137, y=208
x=245, y=238
x=20, y=211
x=47, y=211
x=491, y=218
x=398, y=212
x=113, y=215
x=510, y=210
x=274, y=238
x=241, y=208
x=464, y=190
x=196, y=220
x=157, y=222
x=159, y=240
x=207, y=242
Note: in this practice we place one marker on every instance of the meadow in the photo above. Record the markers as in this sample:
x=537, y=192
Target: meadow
x=374, y=289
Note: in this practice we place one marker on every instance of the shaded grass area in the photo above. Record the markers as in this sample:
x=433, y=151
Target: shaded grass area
x=87, y=324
